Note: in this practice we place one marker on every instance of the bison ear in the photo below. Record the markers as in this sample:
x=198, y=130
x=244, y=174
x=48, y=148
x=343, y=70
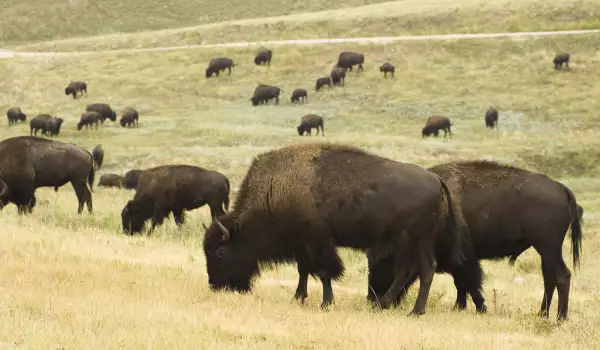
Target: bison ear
x=3, y=188
x=224, y=230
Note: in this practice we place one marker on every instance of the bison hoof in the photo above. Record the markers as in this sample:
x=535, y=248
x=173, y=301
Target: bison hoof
x=385, y=303
x=301, y=296
x=416, y=313
x=326, y=304
x=482, y=309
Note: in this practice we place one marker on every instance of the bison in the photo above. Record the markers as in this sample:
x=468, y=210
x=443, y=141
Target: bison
x=322, y=82
x=132, y=179
x=387, y=68
x=53, y=126
x=98, y=155
x=111, y=180
x=174, y=188
x=311, y=121
x=299, y=203
x=39, y=122
x=491, y=118
x=87, y=119
x=505, y=211
x=349, y=59
x=263, y=93
x=338, y=75
x=76, y=87
x=560, y=59
x=216, y=65
x=299, y=94
x=435, y=124
x=130, y=117
x=263, y=57
x=29, y=162
x=103, y=110
x=15, y=115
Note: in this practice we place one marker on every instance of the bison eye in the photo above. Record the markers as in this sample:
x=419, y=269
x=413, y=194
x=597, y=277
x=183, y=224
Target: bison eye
x=220, y=252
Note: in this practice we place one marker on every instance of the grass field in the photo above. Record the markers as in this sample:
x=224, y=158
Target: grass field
x=77, y=282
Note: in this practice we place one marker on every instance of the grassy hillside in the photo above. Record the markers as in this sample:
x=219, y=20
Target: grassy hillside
x=76, y=282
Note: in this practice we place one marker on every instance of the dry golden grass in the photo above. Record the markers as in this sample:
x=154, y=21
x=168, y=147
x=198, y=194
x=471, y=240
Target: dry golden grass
x=77, y=282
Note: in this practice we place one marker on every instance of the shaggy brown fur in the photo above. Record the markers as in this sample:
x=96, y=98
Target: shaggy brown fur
x=132, y=179
x=76, y=87
x=338, y=75
x=98, y=155
x=103, y=110
x=311, y=121
x=87, y=119
x=39, y=122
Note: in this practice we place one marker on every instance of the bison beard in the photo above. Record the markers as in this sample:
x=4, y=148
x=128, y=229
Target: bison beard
x=299, y=203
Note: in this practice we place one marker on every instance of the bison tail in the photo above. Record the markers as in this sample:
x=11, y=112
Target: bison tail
x=453, y=227
x=90, y=179
x=576, y=234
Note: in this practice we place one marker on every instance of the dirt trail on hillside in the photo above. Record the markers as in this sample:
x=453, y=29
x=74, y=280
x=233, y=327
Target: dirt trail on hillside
x=364, y=40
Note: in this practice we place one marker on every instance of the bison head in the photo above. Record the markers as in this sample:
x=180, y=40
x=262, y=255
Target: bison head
x=208, y=72
x=254, y=100
x=381, y=276
x=428, y=130
x=132, y=217
x=68, y=91
x=22, y=117
x=113, y=116
x=231, y=264
x=301, y=130
x=122, y=122
x=80, y=125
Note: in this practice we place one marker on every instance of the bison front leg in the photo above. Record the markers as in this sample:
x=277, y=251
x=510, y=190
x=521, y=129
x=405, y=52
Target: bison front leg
x=303, y=272
x=179, y=216
x=229, y=68
x=158, y=218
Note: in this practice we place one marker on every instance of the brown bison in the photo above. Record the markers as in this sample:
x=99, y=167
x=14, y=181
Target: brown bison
x=311, y=121
x=53, y=126
x=103, y=110
x=299, y=94
x=111, y=180
x=132, y=179
x=174, y=188
x=299, y=203
x=98, y=155
x=263, y=93
x=15, y=115
x=40, y=122
x=130, y=117
x=505, y=211
x=560, y=59
x=87, y=119
x=349, y=59
x=491, y=118
x=29, y=162
x=338, y=75
x=435, y=124
x=216, y=65
x=387, y=68
x=322, y=82
x=76, y=87
x=263, y=57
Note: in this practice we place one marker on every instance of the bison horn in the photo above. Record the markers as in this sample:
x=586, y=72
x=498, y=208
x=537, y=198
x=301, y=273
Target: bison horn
x=205, y=228
x=3, y=188
x=224, y=229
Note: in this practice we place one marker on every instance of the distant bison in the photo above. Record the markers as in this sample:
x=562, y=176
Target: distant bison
x=216, y=65
x=174, y=188
x=491, y=118
x=322, y=82
x=338, y=75
x=299, y=94
x=263, y=93
x=300, y=203
x=76, y=87
x=88, y=119
x=387, y=68
x=130, y=117
x=560, y=59
x=103, y=110
x=111, y=180
x=53, y=126
x=40, y=122
x=505, y=211
x=435, y=124
x=29, y=162
x=349, y=59
x=263, y=57
x=98, y=155
x=132, y=179
x=15, y=115
x=311, y=121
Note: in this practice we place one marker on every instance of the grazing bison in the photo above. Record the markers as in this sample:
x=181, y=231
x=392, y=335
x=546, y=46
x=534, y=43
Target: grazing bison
x=130, y=117
x=39, y=122
x=263, y=57
x=311, y=121
x=299, y=94
x=560, y=59
x=349, y=59
x=103, y=110
x=216, y=65
x=322, y=82
x=338, y=75
x=87, y=119
x=15, y=115
x=53, y=126
x=491, y=118
x=435, y=124
x=505, y=211
x=299, y=203
x=29, y=162
x=132, y=179
x=387, y=68
x=75, y=87
x=174, y=188
x=263, y=93
x=111, y=180
x=98, y=155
